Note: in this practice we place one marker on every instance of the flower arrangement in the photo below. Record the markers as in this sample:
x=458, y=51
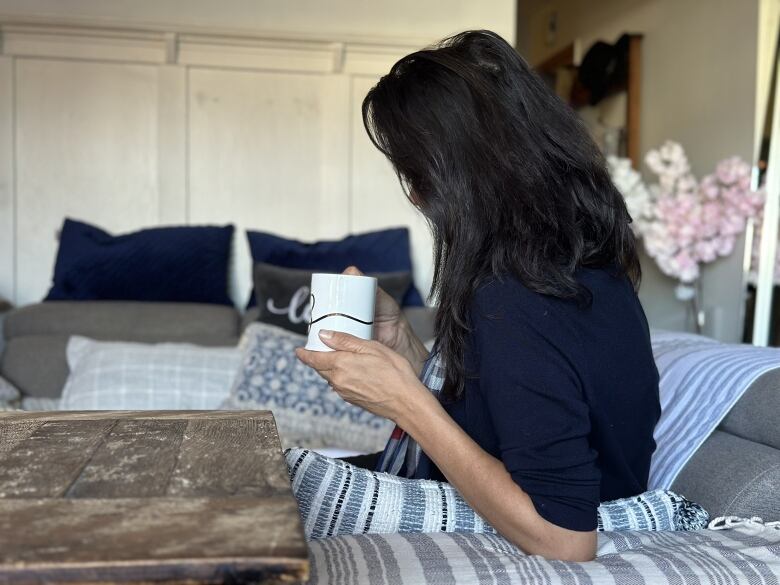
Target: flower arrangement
x=682, y=221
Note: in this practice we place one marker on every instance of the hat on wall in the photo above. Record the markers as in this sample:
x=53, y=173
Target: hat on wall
x=604, y=69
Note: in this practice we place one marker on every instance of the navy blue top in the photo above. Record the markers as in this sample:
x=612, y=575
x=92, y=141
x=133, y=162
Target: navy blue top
x=565, y=396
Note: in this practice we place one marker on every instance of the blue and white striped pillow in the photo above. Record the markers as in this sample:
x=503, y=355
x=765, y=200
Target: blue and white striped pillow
x=336, y=498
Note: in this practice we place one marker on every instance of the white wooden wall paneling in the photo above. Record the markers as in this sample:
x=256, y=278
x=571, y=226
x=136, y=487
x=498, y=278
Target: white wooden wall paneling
x=372, y=60
x=7, y=180
x=172, y=144
x=86, y=146
x=264, y=133
x=86, y=44
x=264, y=154
x=259, y=54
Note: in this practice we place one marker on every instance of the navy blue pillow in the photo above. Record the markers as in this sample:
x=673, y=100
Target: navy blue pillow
x=381, y=251
x=174, y=264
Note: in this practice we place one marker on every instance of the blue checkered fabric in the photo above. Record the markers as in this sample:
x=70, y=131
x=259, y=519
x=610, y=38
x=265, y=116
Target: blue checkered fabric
x=401, y=448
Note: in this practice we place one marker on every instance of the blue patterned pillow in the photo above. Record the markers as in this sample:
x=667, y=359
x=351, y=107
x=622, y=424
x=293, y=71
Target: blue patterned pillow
x=335, y=498
x=308, y=412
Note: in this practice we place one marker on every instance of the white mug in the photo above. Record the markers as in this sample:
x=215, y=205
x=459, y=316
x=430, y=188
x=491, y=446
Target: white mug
x=341, y=302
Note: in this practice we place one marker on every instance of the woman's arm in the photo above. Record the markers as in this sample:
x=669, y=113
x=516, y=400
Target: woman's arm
x=485, y=484
x=374, y=377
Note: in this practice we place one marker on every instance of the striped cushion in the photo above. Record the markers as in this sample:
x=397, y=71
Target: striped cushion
x=337, y=498
x=745, y=553
x=692, y=367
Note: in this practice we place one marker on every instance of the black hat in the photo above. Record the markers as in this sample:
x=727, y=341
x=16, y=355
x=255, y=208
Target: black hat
x=604, y=69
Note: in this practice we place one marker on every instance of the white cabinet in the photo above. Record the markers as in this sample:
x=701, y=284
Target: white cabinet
x=129, y=129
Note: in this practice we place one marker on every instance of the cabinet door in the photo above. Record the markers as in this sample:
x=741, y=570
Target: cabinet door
x=86, y=147
x=268, y=151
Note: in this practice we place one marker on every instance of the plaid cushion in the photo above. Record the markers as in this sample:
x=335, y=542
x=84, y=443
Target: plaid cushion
x=110, y=375
x=337, y=498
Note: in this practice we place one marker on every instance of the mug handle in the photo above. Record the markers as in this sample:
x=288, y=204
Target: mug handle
x=312, y=300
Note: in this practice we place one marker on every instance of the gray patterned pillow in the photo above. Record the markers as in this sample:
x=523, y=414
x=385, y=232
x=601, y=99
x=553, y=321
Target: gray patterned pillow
x=283, y=294
x=336, y=498
x=308, y=412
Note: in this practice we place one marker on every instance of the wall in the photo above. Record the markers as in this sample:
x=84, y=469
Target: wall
x=698, y=88
x=409, y=19
x=131, y=114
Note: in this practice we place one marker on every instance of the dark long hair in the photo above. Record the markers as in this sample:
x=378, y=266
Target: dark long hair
x=505, y=173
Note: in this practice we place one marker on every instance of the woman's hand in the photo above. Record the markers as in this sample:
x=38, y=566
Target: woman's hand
x=367, y=374
x=392, y=330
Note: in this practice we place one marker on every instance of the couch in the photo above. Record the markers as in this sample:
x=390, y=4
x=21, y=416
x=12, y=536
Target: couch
x=735, y=472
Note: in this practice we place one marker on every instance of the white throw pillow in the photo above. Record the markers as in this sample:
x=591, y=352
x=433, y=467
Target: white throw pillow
x=110, y=375
x=308, y=412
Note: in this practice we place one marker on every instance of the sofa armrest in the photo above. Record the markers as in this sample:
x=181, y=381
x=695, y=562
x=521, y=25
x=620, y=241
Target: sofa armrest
x=733, y=476
x=756, y=414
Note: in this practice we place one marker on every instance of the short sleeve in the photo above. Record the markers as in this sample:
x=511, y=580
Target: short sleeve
x=531, y=387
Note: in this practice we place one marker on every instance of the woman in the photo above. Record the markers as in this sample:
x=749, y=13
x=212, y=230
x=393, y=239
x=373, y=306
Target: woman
x=551, y=392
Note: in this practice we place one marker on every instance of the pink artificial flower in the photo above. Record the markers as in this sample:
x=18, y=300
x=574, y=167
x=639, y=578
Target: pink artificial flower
x=709, y=187
x=686, y=266
x=687, y=222
x=687, y=184
x=724, y=245
x=705, y=251
x=732, y=225
x=686, y=235
x=731, y=170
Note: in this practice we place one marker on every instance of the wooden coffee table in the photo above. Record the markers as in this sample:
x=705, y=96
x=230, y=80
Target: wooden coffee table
x=146, y=496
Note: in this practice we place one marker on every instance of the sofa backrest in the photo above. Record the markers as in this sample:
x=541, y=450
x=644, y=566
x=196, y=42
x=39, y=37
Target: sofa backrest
x=36, y=336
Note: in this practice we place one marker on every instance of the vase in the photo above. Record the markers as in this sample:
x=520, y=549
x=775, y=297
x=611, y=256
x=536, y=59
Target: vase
x=691, y=294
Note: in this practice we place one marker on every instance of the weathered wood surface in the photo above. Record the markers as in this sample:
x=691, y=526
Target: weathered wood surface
x=146, y=496
x=49, y=460
x=136, y=459
x=20, y=415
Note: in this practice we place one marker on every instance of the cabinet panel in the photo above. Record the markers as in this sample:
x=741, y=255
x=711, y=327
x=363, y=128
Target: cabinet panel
x=268, y=151
x=86, y=143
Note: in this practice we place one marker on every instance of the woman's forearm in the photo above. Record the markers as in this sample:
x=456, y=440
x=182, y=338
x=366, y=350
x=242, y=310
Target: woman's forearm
x=485, y=484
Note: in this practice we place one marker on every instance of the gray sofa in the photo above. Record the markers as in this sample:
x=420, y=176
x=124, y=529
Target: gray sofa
x=736, y=471
x=36, y=336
